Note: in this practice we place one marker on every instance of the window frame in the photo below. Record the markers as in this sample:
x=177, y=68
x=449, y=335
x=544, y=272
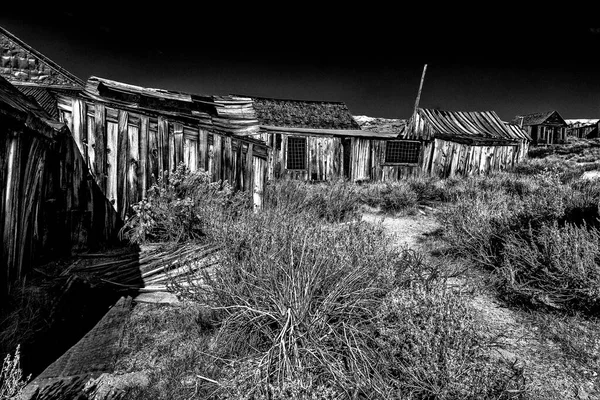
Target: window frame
x=287, y=153
x=385, y=152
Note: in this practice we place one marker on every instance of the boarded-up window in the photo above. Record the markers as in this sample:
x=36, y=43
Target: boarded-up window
x=296, y=153
x=402, y=152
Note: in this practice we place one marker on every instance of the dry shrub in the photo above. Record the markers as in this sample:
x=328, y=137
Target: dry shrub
x=333, y=201
x=12, y=380
x=554, y=266
x=436, y=348
x=182, y=206
x=389, y=196
x=302, y=296
x=475, y=227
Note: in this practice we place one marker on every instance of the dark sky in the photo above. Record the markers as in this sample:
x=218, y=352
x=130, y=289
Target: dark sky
x=373, y=63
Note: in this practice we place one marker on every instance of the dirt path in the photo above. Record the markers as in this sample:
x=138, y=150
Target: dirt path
x=408, y=231
x=549, y=373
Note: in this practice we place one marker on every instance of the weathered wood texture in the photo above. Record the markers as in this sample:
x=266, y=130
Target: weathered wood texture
x=133, y=150
x=48, y=205
x=323, y=158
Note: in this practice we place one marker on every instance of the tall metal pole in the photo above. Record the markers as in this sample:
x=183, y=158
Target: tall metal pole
x=420, y=88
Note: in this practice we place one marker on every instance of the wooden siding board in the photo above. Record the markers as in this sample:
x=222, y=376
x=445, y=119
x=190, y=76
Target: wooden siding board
x=111, y=164
x=100, y=147
x=203, y=149
x=91, y=145
x=133, y=133
x=144, y=167
x=123, y=162
x=217, y=172
x=154, y=155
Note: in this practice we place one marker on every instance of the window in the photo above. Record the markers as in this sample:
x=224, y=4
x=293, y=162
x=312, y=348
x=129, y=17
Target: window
x=402, y=152
x=296, y=153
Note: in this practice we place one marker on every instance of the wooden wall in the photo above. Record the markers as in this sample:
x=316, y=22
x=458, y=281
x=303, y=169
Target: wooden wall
x=546, y=134
x=48, y=205
x=127, y=151
x=438, y=158
x=324, y=157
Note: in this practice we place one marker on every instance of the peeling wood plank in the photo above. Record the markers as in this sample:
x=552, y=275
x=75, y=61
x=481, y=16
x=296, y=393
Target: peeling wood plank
x=91, y=145
x=111, y=162
x=203, y=149
x=163, y=146
x=144, y=169
x=217, y=171
x=100, y=147
x=123, y=162
x=153, y=156
x=133, y=133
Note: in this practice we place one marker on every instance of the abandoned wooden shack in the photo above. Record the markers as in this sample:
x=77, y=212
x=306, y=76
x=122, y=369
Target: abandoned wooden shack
x=450, y=143
x=48, y=206
x=129, y=135
x=583, y=128
x=545, y=128
x=315, y=140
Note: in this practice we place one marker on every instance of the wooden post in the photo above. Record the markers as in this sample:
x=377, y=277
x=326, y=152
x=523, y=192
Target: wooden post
x=420, y=89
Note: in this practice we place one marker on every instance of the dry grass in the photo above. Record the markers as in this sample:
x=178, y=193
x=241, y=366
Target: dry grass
x=12, y=380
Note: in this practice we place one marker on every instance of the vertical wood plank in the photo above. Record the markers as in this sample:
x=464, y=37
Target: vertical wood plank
x=203, y=149
x=227, y=160
x=153, y=157
x=248, y=173
x=177, y=144
x=123, y=163
x=91, y=146
x=77, y=126
x=100, y=147
x=217, y=172
x=163, y=146
x=144, y=156
x=133, y=134
x=111, y=164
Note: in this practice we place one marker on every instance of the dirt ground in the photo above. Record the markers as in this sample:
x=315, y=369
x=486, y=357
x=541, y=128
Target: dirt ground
x=549, y=371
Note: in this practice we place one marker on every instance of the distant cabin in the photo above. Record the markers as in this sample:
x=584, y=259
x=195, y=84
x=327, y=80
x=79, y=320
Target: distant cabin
x=451, y=143
x=546, y=128
x=583, y=128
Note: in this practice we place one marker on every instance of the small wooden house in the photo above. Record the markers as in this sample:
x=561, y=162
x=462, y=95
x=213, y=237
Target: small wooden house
x=583, y=128
x=130, y=135
x=313, y=140
x=545, y=128
x=449, y=143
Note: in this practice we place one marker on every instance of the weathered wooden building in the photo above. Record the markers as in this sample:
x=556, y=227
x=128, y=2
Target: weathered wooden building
x=129, y=135
x=545, y=128
x=583, y=128
x=315, y=140
x=48, y=204
x=448, y=143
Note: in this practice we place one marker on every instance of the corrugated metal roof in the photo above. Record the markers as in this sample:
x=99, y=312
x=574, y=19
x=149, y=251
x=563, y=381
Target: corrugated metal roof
x=518, y=131
x=480, y=125
x=19, y=106
x=46, y=97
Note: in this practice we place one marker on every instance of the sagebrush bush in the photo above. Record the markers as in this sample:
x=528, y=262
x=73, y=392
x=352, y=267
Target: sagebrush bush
x=301, y=294
x=389, y=196
x=333, y=201
x=553, y=266
x=182, y=206
x=436, y=348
